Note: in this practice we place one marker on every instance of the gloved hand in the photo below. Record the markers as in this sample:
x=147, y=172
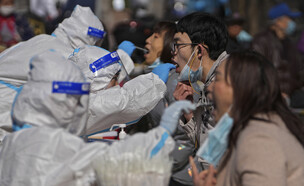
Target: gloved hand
x=127, y=46
x=163, y=70
x=172, y=114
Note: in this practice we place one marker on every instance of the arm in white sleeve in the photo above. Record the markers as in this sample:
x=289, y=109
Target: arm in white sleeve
x=124, y=104
x=156, y=142
x=143, y=152
x=141, y=159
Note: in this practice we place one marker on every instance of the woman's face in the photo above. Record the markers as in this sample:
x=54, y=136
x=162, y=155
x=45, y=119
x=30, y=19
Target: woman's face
x=222, y=92
x=154, y=44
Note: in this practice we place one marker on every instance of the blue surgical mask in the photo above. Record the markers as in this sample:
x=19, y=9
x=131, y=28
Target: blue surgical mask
x=194, y=75
x=243, y=36
x=291, y=27
x=217, y=142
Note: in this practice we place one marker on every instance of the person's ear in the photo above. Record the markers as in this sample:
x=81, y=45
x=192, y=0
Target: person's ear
x=201, y=51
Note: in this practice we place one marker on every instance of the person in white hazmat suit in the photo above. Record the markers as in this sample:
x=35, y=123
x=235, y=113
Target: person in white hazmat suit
x=116, y=105
x=82, y=28
x=54, y=102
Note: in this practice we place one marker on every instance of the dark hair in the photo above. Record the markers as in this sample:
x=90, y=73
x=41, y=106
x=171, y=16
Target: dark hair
x=255, y=82
x=169, y=28
x=207, y=29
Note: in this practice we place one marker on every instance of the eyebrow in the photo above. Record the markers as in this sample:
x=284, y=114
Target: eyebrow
x=176, y=39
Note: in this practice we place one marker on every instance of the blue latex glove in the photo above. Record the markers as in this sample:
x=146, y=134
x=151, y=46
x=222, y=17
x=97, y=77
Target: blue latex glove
x=127, y=46
x=169, y=119
x=163, y=70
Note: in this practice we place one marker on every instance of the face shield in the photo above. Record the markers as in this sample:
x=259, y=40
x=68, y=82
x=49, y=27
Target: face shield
x=108, y=60
x=82, y=28
x=100, y=66
x=104, y=62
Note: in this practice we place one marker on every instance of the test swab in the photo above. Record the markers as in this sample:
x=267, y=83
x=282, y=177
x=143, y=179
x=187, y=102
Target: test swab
x=142, y=49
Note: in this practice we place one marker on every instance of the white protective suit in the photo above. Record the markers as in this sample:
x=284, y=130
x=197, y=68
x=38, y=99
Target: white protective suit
x=50, y=153
x=116, y=105
x=14, y=62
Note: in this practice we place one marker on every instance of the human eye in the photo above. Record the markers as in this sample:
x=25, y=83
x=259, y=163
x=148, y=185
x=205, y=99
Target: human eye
x=156, y=35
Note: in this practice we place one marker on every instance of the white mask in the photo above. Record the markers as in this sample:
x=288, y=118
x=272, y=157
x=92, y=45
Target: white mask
x=7, y=10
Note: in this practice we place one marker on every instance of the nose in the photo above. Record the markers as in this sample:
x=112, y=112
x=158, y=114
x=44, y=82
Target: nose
x=173, y=52
x=148, y=40
x=173, y=57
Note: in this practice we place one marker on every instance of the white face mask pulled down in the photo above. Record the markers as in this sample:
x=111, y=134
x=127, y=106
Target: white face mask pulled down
x=7, y=10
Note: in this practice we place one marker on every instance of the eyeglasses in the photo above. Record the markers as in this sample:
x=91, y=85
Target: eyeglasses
x=175, y=46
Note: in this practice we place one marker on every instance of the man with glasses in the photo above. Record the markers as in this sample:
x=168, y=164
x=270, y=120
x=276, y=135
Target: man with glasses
x=198, y=49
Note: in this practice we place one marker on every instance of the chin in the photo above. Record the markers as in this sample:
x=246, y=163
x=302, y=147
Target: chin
x=216, y=115
x=178, y=70
x=149, y=61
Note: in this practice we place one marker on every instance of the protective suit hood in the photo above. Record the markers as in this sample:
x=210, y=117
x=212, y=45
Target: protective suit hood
x=85, y=56
x=74, y=30
x=38, y=105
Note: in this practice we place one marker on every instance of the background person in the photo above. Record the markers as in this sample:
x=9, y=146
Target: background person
x=14, y=27
x=239, y=39
x=275, y=44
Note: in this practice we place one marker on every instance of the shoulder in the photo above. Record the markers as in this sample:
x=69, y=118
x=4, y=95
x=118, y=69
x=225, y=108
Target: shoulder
x=264, y=33
x=267, y=133
x=263, y=124
x=263, y=37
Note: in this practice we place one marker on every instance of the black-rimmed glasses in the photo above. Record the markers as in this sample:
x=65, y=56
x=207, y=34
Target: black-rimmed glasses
x=176, y=46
